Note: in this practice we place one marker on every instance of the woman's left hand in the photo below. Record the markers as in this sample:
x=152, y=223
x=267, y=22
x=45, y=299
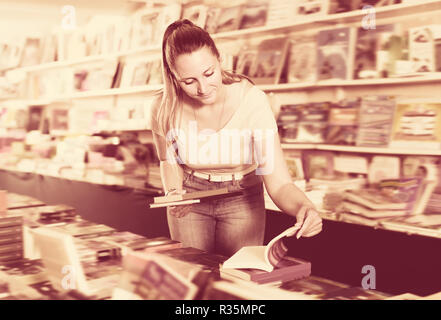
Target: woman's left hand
x=309, y=222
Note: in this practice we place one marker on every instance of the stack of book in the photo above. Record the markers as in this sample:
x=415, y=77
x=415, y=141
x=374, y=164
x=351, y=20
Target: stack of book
x=391, y=198
x=11, y=237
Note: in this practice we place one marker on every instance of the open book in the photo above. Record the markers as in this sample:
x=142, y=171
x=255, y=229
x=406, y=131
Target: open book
x=261, y=257
x=191, y=197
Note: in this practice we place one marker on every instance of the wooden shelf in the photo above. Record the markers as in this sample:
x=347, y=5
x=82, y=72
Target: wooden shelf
x=327, y=147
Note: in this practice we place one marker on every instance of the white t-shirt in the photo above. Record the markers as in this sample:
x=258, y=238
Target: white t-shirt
x=246, y=139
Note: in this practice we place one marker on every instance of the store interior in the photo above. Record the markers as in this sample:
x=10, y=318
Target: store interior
x=354, y=88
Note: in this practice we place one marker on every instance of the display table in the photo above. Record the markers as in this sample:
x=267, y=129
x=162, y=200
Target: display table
x=403, y=263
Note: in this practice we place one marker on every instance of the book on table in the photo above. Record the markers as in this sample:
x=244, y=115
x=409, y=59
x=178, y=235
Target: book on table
x=261, y=257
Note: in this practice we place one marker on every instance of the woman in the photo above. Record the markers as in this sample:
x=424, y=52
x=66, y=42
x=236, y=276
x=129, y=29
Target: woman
x=215, y=129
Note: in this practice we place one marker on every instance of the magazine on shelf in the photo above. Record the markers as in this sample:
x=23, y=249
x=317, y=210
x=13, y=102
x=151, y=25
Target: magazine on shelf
x=261, y=257
x=335, y=51
x=196, y=12
x=194, y=196
x=229, y=19
x=213, y=14
x=371, y=46
x=375, y=121
x=254, y=14
x=390, y=194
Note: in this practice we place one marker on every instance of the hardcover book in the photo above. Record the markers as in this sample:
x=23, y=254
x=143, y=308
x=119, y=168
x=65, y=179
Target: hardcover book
x=375, y=121
x=422, y=49
x=335, y=53
x=302, y=61
x=370, y=44
x=417, y=124
x=392, y=194
x=196, y=12
x=270, y=59
x=287, y=269
x=229, y=19
x=254, y=14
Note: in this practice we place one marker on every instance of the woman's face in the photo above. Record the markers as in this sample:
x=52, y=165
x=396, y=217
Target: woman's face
x=199, y=75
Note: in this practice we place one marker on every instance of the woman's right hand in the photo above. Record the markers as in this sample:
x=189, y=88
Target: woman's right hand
x=179, y=211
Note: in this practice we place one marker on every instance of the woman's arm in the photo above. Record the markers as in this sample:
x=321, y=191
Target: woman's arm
x=171, y=173
x=284, y=193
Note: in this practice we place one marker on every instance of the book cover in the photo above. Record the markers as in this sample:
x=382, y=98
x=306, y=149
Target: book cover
x=302, y=61
x=254, y=14
x=211, y=22
x=245, y=60
x=319, y=165
x=383, y=167
x=261, y=257
x=368, y=46
x=196, y=12
x=335, y=49
x=229, y=19
x=289, y=268
x=280, y=12
x=417, y=124
x=270, y=59
x=144, y=28
x=155, y=74
x=422, y=49
x=287, y=121
x=375, y=121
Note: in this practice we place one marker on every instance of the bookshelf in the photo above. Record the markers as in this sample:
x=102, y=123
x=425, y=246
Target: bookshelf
x=354, y=149
x=387, y=12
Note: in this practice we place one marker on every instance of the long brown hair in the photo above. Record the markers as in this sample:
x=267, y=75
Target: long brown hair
x=182, y=37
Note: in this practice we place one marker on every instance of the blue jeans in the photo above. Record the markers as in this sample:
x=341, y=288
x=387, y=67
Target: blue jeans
x=222, y=225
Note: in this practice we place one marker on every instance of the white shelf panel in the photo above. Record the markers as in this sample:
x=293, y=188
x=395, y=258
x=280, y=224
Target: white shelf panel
x=325, y=147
